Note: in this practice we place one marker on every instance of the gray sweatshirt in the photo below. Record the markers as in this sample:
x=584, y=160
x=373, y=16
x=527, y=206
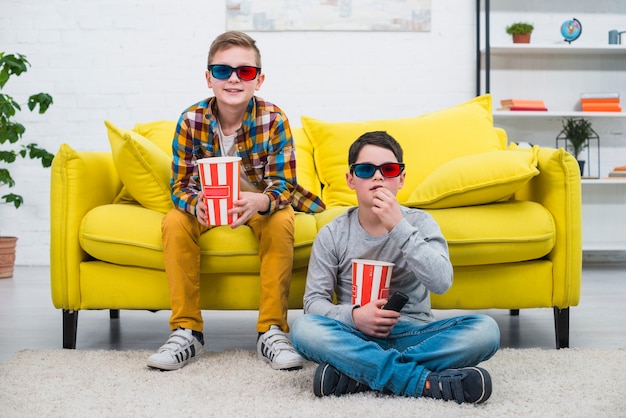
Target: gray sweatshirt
x=416, y=246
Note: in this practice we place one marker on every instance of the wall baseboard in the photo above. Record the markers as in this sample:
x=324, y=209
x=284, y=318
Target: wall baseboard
x=604, y=256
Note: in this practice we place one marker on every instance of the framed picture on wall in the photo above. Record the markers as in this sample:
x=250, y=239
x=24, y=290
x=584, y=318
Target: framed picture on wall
x=328, y=15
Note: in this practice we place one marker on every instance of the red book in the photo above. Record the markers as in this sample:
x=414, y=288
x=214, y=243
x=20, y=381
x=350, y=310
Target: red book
x=524, y=108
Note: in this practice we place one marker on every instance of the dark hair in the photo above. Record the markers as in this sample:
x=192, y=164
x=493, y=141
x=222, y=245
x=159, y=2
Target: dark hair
x=230, y=39
x=378, y=138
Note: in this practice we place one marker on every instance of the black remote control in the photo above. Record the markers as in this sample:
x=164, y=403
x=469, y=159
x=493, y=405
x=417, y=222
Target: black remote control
x=396, y=302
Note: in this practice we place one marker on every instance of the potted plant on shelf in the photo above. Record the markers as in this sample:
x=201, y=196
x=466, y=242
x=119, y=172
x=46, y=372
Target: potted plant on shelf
x=520, y=31
x=577, y=132
x=11, y=148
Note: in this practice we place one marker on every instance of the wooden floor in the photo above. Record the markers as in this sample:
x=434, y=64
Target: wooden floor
x=29, y=321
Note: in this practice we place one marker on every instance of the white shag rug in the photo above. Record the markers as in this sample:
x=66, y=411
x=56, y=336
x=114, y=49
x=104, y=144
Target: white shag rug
x=73, y=383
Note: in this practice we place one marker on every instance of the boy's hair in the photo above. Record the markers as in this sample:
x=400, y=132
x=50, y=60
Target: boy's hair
x=230, y=39
x=378, y=138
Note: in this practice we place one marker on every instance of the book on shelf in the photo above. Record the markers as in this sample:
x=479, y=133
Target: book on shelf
x=524, y=108
x=601, y=107
x=619, y=171
x=527, y=103
x=600, y=100
x=609, y=95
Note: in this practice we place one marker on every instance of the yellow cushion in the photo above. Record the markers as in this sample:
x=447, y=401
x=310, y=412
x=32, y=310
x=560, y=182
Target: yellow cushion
x=502, y=232
x=427, y=141
x=143, y=168
x=135, y=239
x=476, y=179
x=160, y=132
x=322, y=218
x=305, y=166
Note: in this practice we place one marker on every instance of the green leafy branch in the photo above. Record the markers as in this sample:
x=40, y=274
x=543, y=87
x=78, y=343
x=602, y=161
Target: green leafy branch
x=11, y=131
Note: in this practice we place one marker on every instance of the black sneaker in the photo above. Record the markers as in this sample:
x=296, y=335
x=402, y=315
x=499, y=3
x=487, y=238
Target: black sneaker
x=330, y=381
x=469, y=384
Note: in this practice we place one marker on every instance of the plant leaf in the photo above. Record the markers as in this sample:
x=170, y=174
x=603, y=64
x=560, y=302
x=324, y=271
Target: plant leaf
x=16, y=199
x=44, y=100
x=12, y=64
x=10, y=131
x=34, y=151
x=5, y=177
x=8, y=106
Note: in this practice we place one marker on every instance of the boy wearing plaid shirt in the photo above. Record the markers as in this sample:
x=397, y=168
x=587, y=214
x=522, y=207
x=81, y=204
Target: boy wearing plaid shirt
x=234, y=122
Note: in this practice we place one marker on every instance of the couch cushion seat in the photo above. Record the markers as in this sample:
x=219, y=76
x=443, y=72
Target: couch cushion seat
x=129, y=234
x=493, y=233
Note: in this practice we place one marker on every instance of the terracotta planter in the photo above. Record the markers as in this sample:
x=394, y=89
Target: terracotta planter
x=523, y=38
x=7, y=256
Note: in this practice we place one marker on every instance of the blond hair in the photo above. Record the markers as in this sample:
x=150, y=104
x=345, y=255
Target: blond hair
x=230, y=39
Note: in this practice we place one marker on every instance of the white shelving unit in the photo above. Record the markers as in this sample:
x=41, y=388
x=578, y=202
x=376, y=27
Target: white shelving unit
x=557, y=114
x=558, y=73
x=560, y=48
x=604, y=206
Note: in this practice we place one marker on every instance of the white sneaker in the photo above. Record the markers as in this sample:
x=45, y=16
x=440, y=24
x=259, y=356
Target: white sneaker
x=179, y=349
x=274, y=347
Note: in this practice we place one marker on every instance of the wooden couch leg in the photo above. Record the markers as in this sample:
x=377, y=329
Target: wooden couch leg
x=561, y=327
x=114, y=314
x=514, y=312
x=70, y=325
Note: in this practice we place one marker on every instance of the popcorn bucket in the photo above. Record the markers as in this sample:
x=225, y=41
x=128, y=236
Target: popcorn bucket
x=219, y=177
x=370, y=280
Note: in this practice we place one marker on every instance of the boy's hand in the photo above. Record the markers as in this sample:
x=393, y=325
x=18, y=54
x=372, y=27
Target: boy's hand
x=374, y=321
x=201, y=212
x=387, y=208
x=248, y=204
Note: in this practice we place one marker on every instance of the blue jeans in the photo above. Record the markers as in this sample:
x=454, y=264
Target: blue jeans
x=399, y=363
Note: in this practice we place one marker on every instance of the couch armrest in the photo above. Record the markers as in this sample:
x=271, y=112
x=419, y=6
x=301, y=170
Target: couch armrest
x=558, y=188
x=80, y=181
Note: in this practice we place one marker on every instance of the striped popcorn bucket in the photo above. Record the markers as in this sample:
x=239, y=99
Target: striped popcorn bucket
x=219, y=177
x=370, y=280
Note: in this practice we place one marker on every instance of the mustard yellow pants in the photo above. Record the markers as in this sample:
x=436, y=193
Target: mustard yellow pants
x=181, y=251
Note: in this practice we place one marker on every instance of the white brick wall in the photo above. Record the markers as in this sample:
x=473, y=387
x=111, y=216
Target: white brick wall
x=138, y=61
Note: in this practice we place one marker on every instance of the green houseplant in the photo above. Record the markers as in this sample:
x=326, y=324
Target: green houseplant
x=577, y=132
x=520, y=31
x=11, y=146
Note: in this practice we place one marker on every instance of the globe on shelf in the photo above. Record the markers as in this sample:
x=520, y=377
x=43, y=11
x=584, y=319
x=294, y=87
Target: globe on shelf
x=571, y=30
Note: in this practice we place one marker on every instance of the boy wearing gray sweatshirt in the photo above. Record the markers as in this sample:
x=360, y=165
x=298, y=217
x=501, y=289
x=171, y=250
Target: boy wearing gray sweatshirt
x=367, y=347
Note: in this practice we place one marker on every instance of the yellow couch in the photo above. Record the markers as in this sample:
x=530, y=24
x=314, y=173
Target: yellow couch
x=512, y=217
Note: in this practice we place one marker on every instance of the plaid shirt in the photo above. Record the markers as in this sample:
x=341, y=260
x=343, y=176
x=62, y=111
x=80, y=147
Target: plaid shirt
x=263, y=142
